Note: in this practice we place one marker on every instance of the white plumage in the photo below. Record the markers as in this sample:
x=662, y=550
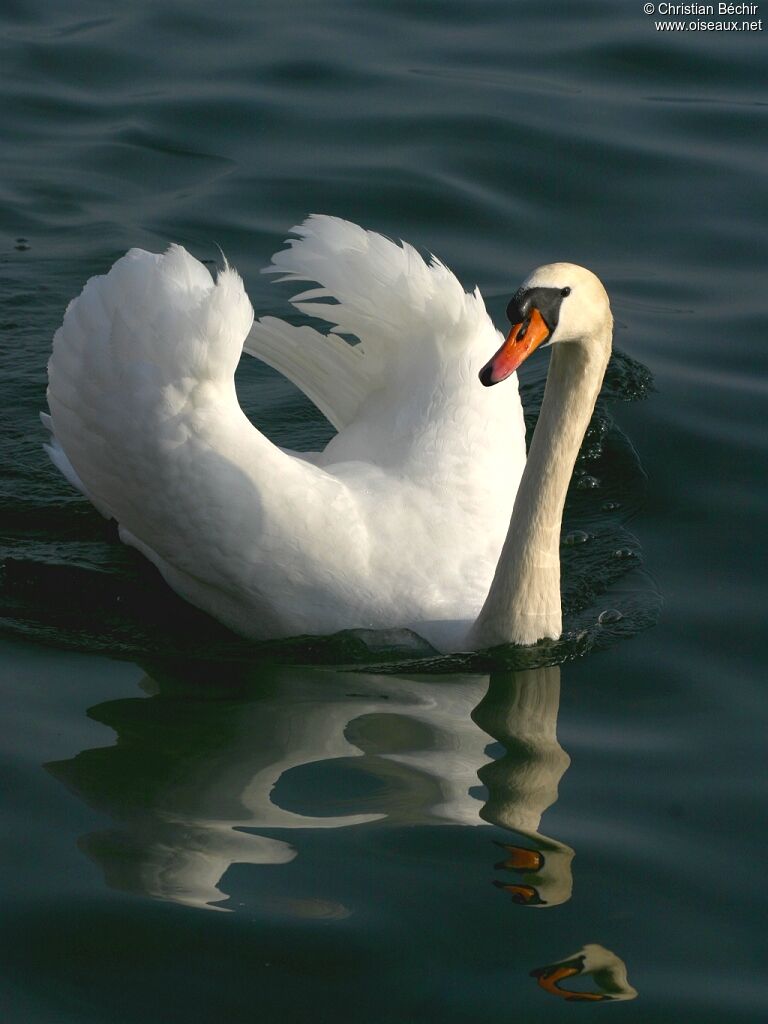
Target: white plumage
x=399, y=522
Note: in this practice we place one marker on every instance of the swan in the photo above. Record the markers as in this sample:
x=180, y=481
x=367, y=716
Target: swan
x=422, y=512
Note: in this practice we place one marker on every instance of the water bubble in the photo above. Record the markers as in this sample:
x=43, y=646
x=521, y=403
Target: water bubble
x=597, y=428
x=624, y=553
x=587, y=483
x=576, y=537
x=610, y=506
x=608, y=616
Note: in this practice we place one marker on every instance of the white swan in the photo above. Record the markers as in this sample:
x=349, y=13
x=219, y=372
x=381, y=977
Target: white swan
x=401, y=521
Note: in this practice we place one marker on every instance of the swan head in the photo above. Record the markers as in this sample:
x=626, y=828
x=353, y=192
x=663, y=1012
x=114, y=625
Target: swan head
x=559, y=302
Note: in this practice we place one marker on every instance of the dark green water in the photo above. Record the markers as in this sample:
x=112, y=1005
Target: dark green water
x=340, y=818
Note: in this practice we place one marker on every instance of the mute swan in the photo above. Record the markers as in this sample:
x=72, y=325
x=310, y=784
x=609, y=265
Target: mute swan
x=404, y=519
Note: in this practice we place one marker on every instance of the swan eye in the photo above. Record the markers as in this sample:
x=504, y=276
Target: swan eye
x=565, y=291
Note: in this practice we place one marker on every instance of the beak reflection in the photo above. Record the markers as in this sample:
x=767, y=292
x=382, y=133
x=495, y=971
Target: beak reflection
x=607, y=972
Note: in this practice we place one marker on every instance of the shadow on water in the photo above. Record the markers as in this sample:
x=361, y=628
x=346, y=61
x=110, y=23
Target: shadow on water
x=213, y=770
x=85, y=591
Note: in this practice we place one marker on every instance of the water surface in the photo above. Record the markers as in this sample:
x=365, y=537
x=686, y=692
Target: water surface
x=345, y=822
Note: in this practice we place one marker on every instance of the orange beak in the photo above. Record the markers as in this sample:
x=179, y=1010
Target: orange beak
x=522, y=339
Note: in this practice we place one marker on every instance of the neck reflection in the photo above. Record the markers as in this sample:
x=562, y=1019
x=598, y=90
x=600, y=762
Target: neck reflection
x=520, y=711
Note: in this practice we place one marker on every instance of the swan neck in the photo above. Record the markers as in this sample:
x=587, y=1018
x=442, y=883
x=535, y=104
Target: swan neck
x=523, y=604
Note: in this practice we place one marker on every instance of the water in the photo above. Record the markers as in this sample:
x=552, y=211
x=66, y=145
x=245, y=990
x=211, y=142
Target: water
x=347, y=821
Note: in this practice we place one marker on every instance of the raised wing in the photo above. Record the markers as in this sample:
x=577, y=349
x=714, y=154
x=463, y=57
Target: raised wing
x=146, y=422
x=371, y=289
x=129, y=361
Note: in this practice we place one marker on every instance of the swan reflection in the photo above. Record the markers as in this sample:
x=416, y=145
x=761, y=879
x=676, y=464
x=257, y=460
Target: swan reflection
x=196, y=777
x=607, y=972
x=204, y=777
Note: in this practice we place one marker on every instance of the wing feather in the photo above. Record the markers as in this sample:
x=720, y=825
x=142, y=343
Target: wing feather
x=382, y=293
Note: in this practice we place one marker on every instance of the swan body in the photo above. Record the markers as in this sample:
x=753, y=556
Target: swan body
x=400, y=521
